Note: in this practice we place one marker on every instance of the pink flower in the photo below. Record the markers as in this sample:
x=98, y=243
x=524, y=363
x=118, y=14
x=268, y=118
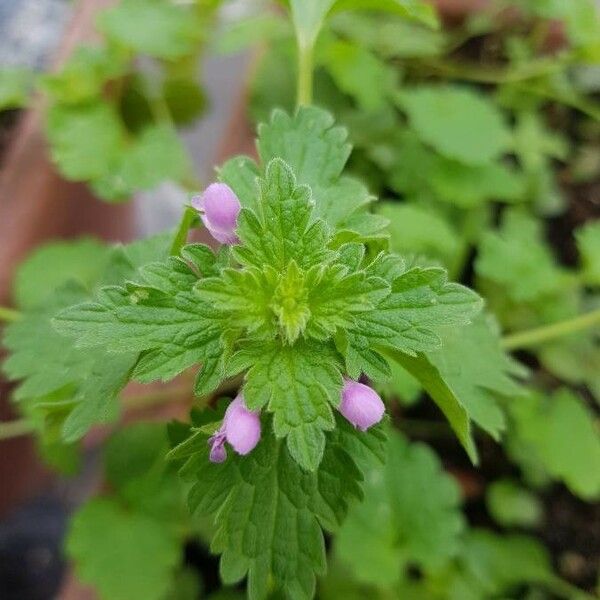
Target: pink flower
x=241, y=429
x=361, y=405
x=219, y=208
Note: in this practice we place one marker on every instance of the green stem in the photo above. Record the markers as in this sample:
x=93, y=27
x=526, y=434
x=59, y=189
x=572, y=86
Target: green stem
x=180, y=239
x=539, y=335
x=13, y=429
x=305, y=74
x=9, y=315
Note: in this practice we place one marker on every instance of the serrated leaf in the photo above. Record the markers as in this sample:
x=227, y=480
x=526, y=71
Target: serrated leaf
x=317, y=151
x=69, y=388
x=283, y=229
x=457, y=122
x=269, y=513
x=421, y=300
x=52, y=265
x=472, y=363
x=410, y=515
x=300, y=385
x=123, y=554
x=84, y=140
x=160, y=29
x=162, y=318
x=433, y=383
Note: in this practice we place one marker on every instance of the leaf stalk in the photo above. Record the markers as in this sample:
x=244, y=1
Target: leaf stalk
x=546, y=333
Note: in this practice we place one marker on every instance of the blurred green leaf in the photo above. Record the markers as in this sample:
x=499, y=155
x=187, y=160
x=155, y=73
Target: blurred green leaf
x=154, y=27
x=513, y=505
x=410, y=515
x=84, y=140
x=85, y=74
x=52, y=265
x=558, y=433
x=359, y=73
x=123, y=554
x=458, y=122
x=185, y=99
x=16, y=85
x=518, y=259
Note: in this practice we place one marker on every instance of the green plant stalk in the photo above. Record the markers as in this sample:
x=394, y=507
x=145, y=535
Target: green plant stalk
x=305, y=74
x=181, y=235
x=546, y=333
x=9, y=315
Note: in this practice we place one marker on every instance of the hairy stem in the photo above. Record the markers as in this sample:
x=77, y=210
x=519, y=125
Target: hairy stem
x=9, y=315
x=305, y=74
x=539, y=335
x=181, y=235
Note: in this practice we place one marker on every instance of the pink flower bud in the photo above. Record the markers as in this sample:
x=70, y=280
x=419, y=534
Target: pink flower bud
x=241, y=429
x=241, y=426
x=361, y=405
x=219, y=208
x=218, y=453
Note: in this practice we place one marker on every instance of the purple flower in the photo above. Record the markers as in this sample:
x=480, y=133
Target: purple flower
x=361, y=405
x=241, y=429
x=219, y=208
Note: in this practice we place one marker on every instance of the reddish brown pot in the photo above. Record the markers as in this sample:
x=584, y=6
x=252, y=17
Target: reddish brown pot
x=38, y=205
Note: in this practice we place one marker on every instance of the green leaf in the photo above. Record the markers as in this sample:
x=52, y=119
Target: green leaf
x=420, y=231
x=85, y=74
x=439, y=391
x=160, y=29
x=588, y=244
x=269, y=513
x=470, y=185
x=155, y=155
x=48, y=362
x=185, y=99
x=517, y=259
x=410, y=516
x=416, y=10
x=472, y=363
x=15, y=86
x=512, y=505
x=559, y=434
x=389, y=36
x=300, y=385
x=421, y=301
x=457, y=122
x=496, y=564
x=123, y=554
x=140, y=476
x=308, y=17
x=84, y=140
x=68, y=389
x=161, y=317
x=52, y=265
x=283, y=229
x=359, y=73
x=317, y=151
